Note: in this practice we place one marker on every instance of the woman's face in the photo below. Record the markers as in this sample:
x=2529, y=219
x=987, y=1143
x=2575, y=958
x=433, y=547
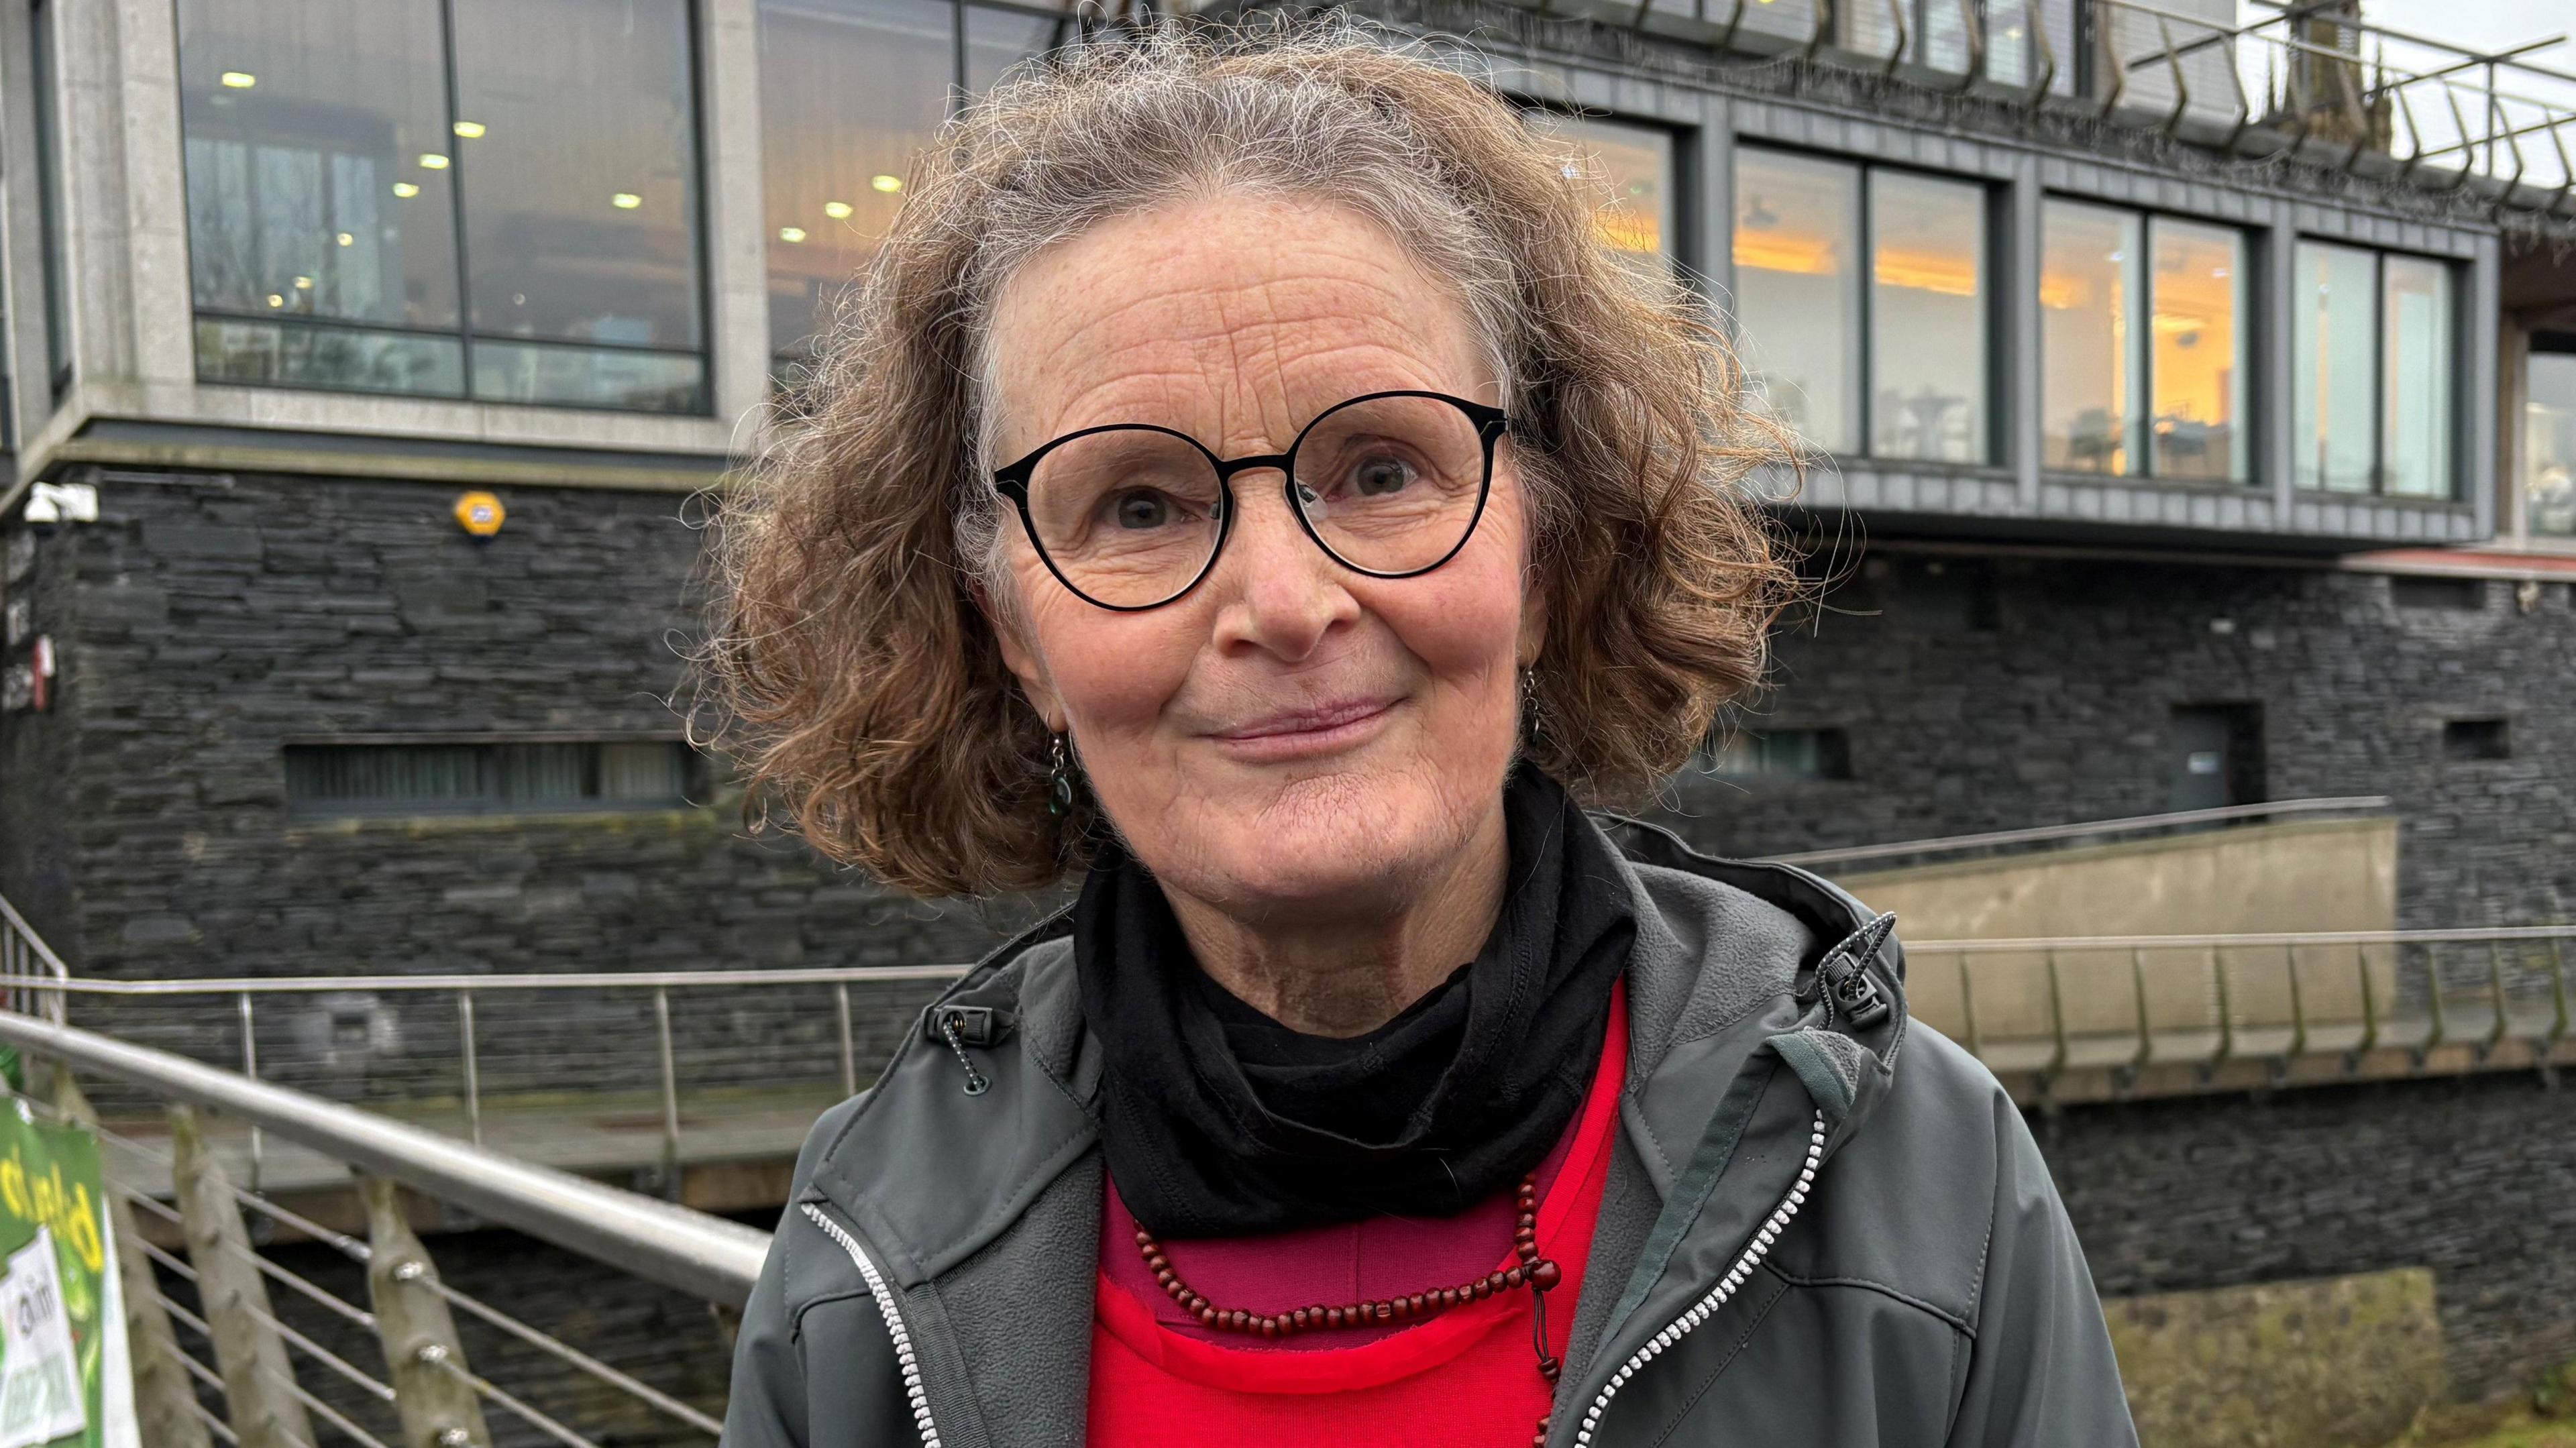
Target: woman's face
x=1289, y=736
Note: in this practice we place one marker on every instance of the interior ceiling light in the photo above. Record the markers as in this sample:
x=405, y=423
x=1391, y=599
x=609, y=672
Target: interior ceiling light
x=406, y=190
x=887, y=184
x=345, y=239
x=240, y=79
x=791, y=233
x=304, y=284
x=625, y=200
x=432, y=161
x=275, y=300
x=837, y=210
x=470, y=130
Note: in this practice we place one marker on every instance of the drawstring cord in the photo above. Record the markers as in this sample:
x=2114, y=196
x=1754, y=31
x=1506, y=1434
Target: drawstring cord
x=977, y=1083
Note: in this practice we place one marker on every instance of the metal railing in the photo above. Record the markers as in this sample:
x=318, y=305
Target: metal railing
x=427, y=1389
x=2382, y=1000
x=2129, y=827
x=764, y=1043
x=2341, y=91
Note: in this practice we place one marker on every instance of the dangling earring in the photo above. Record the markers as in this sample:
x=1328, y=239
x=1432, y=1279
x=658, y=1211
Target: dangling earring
x=1059, y=783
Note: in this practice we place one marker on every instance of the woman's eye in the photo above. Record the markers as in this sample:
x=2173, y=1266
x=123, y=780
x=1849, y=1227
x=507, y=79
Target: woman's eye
x=1378, y=477
x=1143, y=510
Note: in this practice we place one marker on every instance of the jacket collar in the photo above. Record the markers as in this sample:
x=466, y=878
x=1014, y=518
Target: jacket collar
x=1734, y=1051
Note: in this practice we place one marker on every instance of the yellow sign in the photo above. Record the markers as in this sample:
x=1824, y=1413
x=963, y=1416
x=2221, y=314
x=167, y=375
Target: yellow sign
x=480, y=514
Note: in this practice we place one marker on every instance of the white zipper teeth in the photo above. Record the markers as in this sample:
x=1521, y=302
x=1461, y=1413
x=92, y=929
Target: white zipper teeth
x=903, y=1354
x=1718, y=1296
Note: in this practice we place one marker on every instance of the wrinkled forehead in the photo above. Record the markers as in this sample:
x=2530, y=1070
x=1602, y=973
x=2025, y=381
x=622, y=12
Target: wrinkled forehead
x=1233, y=319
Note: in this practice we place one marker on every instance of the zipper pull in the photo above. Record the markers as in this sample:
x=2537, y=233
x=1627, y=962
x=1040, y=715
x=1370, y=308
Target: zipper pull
x=1847, y=985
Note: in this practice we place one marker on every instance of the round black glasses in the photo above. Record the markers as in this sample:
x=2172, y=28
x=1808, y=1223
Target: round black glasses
x=1131, y=516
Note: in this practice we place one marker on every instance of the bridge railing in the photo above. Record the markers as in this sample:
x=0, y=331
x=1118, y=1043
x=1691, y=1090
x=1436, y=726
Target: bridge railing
x=2081, y=832
x=2226, y=1009
x=2334, y=90
x=657, y=1066
x=289, y=1372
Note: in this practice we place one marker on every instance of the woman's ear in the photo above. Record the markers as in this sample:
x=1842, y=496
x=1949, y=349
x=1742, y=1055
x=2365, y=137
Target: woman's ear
x=1533, y=640
x=1021, y=659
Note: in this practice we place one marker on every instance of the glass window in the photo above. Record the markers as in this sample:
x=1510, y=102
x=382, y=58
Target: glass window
x=578, y=157
x=850, y=92
x=2549, y=444
x=2090, y=271
x=2415, y=409
x=1927, y=332
x=1797, y=291
x=2376, y=367
x=2199, y=293
x=321, y=252
x=2335, y=366
x=485, y=777
x=325, y=162
x=1632, y=167
x=996, y=40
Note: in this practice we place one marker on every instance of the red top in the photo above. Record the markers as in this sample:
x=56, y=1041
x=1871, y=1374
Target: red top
x=1467, y=1377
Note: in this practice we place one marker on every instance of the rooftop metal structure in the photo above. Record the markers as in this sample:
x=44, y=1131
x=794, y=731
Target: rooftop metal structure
x=2312, y=80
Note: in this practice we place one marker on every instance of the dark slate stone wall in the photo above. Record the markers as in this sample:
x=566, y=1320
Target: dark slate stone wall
x=2473, y=1177
x=205, y=620
x=1998, y=693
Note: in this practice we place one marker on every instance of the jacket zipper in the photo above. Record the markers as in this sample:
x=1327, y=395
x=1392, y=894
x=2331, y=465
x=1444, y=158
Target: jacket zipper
x=1716, y=1297
x=903, y=1354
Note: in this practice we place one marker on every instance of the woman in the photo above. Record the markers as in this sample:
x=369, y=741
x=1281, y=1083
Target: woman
x=1245, y=480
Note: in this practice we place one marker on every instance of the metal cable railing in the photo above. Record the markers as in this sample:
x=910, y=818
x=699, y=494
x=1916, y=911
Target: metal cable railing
x=704, y=1256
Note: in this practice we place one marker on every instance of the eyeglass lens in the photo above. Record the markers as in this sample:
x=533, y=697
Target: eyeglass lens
x=1131, y=516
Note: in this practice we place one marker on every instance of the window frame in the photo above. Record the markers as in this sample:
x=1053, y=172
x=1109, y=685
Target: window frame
x=2249, y=332
x=2455, y=316
x=1993, y=270
x=786, y=364
x=701, y=240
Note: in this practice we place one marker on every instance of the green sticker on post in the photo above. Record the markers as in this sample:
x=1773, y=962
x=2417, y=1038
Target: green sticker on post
x=65, y=1376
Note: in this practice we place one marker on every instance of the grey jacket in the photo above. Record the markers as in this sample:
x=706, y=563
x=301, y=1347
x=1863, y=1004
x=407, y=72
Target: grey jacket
x=1823, y=1227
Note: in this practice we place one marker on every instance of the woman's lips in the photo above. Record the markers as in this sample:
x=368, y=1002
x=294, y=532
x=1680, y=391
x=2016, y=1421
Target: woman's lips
x=1297, y=734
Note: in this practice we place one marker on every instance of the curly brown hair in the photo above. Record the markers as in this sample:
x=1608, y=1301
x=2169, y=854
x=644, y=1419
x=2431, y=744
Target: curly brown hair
x=849, y=663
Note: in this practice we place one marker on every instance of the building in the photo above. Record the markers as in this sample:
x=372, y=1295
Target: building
x=2211, y=440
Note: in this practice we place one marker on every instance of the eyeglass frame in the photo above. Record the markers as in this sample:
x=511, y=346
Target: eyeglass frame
x=1012, y=482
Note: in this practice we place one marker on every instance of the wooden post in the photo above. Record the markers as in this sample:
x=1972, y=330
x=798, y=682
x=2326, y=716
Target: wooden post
x=249, y=1353
x=165, y=1402
x=438, y=1407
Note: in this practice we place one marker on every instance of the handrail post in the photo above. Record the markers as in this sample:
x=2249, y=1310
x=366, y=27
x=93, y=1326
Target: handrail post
x=2146, y=1031
x=473, y=1067
x=165, y=1402
x=2558, y=993
x=2369, y=997
x=849, y=1052
x=2495, y=994
x=670, y=1095
x=422, y=1354
x=1968, y=1008
x=2433, y=996
x=2226, y=1009
x=2298, y=1009
x=250, y=1068
x=259, y=1382
x=2056, y=1015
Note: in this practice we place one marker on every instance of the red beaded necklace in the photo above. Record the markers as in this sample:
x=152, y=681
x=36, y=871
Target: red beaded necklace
x=1537, y=1273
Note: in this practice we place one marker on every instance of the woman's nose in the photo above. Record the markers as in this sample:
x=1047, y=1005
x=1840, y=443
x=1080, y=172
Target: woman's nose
x=1279, y=592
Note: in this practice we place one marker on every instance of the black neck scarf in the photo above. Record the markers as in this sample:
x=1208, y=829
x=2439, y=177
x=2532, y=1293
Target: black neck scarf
x=1219, y=1121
